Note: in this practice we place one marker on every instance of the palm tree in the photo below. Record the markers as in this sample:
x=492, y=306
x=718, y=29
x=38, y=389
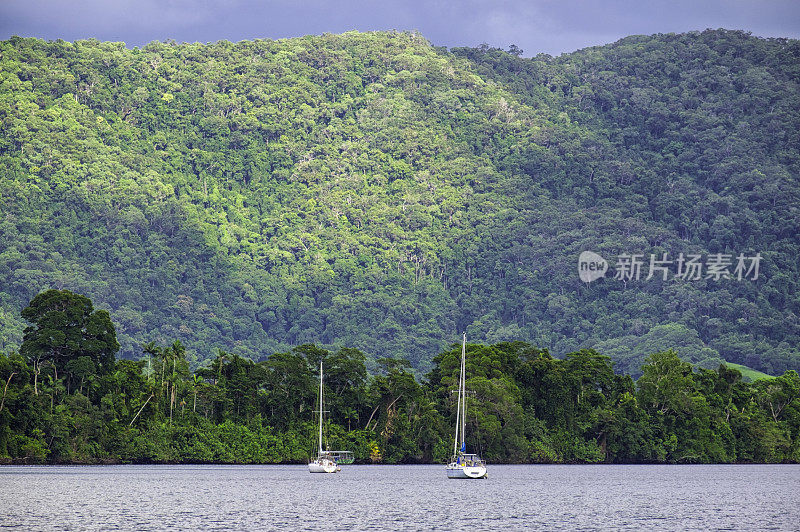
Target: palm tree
x=151, y=349
x=165, y=355
x=176, y=352
x=53, y=386
x=349, y=414
x=197, y=382
x=5, y=390
x=171, y=382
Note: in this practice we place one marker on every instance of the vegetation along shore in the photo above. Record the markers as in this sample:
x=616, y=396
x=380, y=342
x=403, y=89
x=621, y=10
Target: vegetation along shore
x=67, y=399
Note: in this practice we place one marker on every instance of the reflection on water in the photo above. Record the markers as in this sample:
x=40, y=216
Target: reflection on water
x=632, y=497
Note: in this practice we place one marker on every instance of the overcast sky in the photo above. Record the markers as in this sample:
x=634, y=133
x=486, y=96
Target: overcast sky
x=536, y=26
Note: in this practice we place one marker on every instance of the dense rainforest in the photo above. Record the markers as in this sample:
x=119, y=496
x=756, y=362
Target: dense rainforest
x=66, y=399
x=373, y=191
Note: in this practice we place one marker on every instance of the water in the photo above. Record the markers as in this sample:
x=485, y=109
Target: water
x=591, y=497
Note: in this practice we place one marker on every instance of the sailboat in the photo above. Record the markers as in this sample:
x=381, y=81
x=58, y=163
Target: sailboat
x=463, y=465
x=325, y=462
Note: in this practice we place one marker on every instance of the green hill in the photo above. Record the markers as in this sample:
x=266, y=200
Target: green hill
x=749, y=374
x=373, y=191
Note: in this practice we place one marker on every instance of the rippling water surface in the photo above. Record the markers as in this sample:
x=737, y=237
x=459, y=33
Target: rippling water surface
x=632, y=497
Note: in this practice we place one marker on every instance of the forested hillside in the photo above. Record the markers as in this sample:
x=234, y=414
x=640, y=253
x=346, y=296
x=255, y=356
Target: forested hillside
x=369, y=190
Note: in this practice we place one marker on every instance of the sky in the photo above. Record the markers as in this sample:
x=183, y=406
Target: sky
x=535, y=26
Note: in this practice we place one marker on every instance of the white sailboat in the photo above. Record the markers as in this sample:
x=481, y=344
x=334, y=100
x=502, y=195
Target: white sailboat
x=463, y=465
x=325, y=461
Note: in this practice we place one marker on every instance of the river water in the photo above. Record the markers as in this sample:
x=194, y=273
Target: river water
x=548, y=497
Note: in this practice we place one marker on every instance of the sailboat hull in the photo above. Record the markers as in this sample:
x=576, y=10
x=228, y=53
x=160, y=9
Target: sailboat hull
x=323, y=466
x=456, y=471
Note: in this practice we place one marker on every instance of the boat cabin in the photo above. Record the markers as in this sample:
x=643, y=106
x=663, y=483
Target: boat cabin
x=469, y=460
x=342, y=457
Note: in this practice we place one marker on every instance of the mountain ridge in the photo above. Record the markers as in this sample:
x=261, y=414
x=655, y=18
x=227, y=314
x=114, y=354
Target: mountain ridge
x=374, y=191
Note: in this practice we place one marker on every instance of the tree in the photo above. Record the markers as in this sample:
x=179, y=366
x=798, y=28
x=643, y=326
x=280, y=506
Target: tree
x=774, y=395
x=64, y=327
x=81, y=368
x=290, y=388
x=666, y=385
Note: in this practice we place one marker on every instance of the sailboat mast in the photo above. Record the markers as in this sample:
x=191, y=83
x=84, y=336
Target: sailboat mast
x=320, y=407
x=458, y=418
x=459, y=437
x=463, y=385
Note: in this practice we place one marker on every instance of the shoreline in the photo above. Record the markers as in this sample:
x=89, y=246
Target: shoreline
x=5, y=462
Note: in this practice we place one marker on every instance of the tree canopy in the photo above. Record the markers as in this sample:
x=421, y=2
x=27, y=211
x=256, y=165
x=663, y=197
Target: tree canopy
x=372, y=191
x=523, y=406
x=68, y=333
